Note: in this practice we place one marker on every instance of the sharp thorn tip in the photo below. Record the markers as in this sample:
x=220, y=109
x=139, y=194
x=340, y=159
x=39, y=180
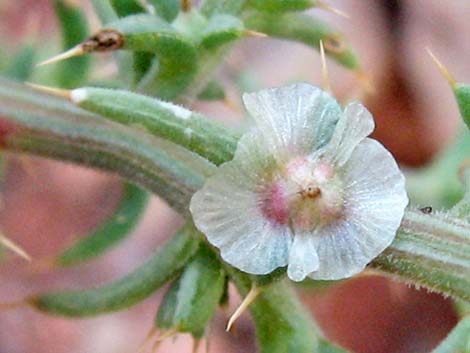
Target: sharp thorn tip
x=75, y=51
x=9, y=244
x=51, y=90
x=250, y=297
x=325, y=75
x=440, y=66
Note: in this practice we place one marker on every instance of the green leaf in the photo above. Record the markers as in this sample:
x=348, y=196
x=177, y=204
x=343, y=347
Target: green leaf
x=192, y=300
x=74, y=71
x=163, y=265
x=458, y=340
x=177, y=56
x=166, y=120
x=305, y=29
x=111, y=232
x=51, y=127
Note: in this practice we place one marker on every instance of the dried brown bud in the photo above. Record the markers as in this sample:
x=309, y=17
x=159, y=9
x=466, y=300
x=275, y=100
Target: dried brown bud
x=105, y=40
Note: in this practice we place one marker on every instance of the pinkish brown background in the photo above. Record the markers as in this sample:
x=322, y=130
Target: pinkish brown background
x=47, y=204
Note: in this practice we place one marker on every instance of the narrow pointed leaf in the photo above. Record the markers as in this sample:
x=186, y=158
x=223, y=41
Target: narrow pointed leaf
x=193, y=298
x=52, y=127
x=166, y=120
x=127, y=291
x=305, y=29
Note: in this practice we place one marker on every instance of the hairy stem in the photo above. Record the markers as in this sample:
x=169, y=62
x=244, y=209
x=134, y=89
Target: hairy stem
x=432, y=251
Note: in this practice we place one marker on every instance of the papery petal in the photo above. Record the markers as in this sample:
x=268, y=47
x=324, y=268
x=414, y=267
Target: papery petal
x=374, y=204
x=303, y=258
x=353, y=127
x=227, y=210
x=294, y=120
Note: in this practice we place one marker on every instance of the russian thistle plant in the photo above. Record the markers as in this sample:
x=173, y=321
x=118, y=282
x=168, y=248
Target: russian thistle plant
x=304, y=193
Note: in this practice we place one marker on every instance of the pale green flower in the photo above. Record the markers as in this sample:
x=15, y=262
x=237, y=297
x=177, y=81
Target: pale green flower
x=306, y=189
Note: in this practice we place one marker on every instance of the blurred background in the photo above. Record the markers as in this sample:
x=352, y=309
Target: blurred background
x=48, y=204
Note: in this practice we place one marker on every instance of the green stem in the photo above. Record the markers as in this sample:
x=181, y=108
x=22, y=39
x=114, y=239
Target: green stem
x=432, y=251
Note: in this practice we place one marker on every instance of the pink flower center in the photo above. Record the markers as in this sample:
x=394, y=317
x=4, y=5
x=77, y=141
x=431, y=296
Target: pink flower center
x=274, y=205
x=306, y=195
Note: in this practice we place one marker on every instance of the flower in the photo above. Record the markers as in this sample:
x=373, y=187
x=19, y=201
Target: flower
x=307, y=189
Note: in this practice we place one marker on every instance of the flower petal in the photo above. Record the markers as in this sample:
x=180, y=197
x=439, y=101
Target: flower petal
x=374, y=205
x=303, y=258
x=294, y=120
x=227, y=210
x=353, y=127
